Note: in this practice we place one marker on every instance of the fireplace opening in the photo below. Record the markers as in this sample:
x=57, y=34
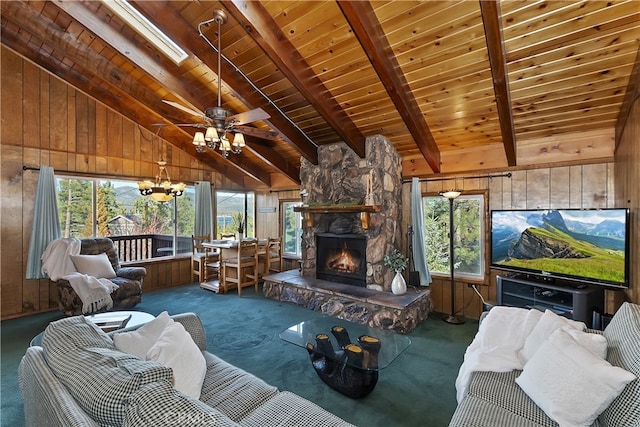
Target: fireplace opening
x=342, y=258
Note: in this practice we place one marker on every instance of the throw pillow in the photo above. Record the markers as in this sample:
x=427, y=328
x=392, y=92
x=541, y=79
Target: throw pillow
x=570, y=383
x=176, y=349
x=547, y=325
x=139, y=342
x=595, y=343
x=97, y=266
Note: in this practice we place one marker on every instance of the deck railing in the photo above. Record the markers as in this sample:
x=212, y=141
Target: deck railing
x=146, y=246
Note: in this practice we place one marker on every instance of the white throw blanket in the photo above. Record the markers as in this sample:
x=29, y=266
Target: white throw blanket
x=94, y=293
x=497, y=344
x=56, y=262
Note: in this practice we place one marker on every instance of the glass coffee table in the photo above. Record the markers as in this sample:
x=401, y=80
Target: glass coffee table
x=346, y=356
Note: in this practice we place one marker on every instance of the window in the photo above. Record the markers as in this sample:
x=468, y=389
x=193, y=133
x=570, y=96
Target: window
x=291, y=229
x=468, y=220
x=140, y=227
x=234, y=209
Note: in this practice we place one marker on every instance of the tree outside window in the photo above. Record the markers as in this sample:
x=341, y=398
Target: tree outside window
x=120, y=210
x=468, y=221
x=291, y=229
x=234, y=209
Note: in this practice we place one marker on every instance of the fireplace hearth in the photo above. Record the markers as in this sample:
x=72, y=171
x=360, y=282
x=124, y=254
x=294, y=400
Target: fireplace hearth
x=342, y=258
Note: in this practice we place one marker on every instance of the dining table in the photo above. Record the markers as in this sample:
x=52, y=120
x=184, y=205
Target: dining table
x=227, y=249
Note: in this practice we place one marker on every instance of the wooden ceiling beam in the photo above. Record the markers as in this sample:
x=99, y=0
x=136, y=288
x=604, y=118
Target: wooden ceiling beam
x=140, y=58
x=367, y=29
x=258, y=148
x=122, y=98
x=498, y=61
x=631, y=96
x=267, y=34
x=171, y=22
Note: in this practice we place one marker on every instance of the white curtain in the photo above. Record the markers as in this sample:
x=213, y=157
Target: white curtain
x=204, y=216
x=46, y=222
x=418, y=241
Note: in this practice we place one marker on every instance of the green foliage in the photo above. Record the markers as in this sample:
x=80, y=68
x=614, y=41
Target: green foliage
x=467, y=236
x=396, y=261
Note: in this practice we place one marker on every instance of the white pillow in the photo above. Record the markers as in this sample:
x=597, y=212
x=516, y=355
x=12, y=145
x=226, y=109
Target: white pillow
x=547, y=325
x=139, y=342
x=97, y=266
x=569, y=383
x=176, y=349
x=596, y=343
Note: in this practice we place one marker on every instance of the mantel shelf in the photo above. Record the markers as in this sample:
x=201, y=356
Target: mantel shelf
x=338, y=208
x=364, y=211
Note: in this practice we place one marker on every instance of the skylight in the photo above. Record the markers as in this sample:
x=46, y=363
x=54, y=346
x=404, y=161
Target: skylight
x=146, y=29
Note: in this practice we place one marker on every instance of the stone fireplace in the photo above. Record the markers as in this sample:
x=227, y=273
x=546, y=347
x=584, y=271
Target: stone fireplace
x=341, y=178
x=351, y=219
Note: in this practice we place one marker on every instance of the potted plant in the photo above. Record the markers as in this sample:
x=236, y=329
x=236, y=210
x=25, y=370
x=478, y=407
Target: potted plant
x=397, y=262
x=239, y=220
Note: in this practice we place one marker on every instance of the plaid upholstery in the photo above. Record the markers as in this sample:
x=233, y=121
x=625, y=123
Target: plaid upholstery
x=623, y=341
x=288, y=409
x=79, y=379
x=510, y=399
x=231, y=390
x=493, y=399
x=98, y=376
x=159, y=404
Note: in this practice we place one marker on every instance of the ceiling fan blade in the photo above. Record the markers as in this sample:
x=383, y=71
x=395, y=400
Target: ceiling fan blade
x=258, y=133
x=183, y=108
x=247, y=117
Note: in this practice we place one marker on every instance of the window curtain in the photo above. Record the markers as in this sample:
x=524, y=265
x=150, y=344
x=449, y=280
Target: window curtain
x=418, y=240
x=46, y=222
x=203, y=225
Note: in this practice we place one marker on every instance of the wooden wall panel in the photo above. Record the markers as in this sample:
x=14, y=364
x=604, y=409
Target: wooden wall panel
x=46, y=122
x=627, y=180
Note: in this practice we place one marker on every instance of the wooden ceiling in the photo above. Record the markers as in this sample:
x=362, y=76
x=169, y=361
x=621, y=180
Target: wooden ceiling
x=456, y=86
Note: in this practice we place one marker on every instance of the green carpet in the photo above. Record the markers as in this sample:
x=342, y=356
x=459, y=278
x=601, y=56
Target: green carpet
x=417, y=389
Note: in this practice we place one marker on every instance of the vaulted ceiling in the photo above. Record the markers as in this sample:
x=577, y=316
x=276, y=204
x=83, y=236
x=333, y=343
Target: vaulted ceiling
x=456, y=86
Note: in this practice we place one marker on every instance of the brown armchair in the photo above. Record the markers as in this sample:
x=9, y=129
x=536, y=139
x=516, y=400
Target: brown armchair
x=128, y=279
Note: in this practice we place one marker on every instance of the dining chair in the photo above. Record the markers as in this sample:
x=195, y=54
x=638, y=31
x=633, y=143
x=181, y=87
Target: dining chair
x=241, y=269
x=201, y=257
x=272, y=257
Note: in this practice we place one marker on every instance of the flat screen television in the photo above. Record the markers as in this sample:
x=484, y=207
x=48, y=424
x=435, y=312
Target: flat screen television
x=583, y=245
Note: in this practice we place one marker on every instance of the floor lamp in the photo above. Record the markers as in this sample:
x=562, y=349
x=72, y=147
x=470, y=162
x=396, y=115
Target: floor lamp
x=452, y=318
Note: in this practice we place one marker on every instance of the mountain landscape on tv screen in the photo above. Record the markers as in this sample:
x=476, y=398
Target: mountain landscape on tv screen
x=577, y=243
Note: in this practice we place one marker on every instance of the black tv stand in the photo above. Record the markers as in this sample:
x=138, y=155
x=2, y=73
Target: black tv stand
x=576, y=301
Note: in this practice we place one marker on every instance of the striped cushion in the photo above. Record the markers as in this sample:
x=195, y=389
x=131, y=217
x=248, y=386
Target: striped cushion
x=159, y=404
x=231, y=390
x=623, y=340
x=288, y=409
x=98, y=376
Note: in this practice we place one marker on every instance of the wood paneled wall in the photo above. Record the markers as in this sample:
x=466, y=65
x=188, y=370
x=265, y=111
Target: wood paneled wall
x=47, y=122
x=586, y=186
x=627, y=178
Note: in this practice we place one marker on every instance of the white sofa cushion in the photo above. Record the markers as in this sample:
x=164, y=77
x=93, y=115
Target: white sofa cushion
x=140, y=341
x=97, y=266
x=571, y=384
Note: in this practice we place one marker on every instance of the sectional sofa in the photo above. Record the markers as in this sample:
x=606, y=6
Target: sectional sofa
x=79, y=378
x=495, y=399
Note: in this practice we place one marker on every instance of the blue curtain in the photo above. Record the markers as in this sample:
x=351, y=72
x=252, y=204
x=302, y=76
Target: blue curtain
x=418, y=242
x=204, y=216
x=46, y=222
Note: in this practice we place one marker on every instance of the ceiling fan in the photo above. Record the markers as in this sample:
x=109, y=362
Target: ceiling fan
x=219, y=122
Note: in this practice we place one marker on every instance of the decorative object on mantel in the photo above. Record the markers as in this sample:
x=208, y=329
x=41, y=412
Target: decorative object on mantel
x=368, y=200
x=325, y=209
x=162, y=190
x=397, y=262
x=303, y=196
x=452, y=318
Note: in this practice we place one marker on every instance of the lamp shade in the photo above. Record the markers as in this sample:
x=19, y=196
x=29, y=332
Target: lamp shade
x=211, y=135
x=451, y=194
x=238, y=140
x=198, y=139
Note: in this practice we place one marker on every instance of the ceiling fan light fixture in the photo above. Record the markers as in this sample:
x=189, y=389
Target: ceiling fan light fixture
x=225, y=146
x=199, y=142
x=211, y=135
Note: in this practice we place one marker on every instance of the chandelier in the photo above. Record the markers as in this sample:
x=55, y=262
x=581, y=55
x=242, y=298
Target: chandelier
x=212, y=137
x=162, y=190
